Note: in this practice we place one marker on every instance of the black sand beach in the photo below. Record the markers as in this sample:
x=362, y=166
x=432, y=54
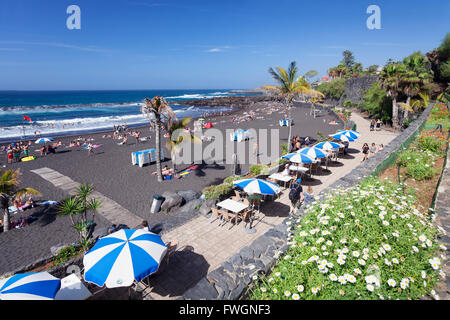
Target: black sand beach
x=112, y=174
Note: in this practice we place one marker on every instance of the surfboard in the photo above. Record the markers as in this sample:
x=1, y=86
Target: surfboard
x=28, y=158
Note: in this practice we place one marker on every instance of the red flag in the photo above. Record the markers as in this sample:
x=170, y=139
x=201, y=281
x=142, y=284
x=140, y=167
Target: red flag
x=27, y=118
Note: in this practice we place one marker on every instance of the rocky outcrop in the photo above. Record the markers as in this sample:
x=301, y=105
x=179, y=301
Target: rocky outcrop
x=235, y=102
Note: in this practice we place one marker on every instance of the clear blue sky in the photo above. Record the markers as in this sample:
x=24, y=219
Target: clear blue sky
x=191, y=44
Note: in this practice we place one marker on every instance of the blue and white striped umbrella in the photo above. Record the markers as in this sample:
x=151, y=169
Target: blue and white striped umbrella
x=257, y=186
x=313, y=152
x=350, y=133
x=122, y=257
x=327, y=145
x=342, y=137
x=298, y=158
x=43, y=140
x=30, y=286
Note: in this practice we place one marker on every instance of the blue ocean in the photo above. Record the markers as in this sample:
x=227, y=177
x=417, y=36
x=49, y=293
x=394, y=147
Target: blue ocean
x=57, y=113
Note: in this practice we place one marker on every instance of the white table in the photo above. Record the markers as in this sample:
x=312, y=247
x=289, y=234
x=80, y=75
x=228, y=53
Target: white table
x=233, y=206
x=298, y=168
x=280, y=177
x=72, y=289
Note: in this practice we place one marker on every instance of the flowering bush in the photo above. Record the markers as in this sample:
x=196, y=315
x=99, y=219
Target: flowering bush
x=368, y=242
x=428, y=143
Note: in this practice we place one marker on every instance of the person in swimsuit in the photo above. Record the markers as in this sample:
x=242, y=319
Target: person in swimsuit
x=365, y=151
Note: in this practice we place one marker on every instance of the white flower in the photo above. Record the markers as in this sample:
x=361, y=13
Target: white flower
x=423, y=274
x=370, y=287
x=387, y=262
x=391, y=283
x=395, y=261
x=263, y=289
x=351, y=278
x=404, y=283
x=277, y=274
x=415, y=249
x=355, y=254
x=295, y=296
x=300, y=288
x=385, y=222
x=333, y=277
x=355, y=240
x=275, y=290
x=255, y=277
x=345, y=250
x=343, y=241
x=366, y=251
x=422, y=238
x=342, y=280
x=314, y=291
x=429, y=242
x=287, y=293
x=362, y=262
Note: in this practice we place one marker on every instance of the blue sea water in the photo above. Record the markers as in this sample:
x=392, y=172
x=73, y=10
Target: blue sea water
x=73, y=112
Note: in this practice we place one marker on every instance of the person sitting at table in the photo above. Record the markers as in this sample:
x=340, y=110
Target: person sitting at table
x=145, y=226
x=286, y=171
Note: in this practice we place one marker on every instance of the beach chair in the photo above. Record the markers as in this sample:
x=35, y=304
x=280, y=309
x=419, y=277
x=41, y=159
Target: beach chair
x=216, y=213
x=314, y=167
x=237, y=196
x=228, y=217
x=172, y=247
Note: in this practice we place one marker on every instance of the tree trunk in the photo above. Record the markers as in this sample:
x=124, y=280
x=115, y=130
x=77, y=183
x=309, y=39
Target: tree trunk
x=6, y=220
x=405, y=112
x=158, y=148
x=395, y=122
x=290, y=124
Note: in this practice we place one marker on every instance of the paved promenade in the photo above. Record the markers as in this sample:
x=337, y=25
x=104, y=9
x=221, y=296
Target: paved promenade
x=204, y=246
x=109, y=209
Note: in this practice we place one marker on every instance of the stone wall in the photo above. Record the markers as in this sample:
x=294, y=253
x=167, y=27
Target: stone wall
x=355, y=87
x=232, y=279
x=442, y=211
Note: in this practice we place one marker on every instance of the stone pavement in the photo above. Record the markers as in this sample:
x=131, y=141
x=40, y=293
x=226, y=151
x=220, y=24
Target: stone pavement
x=110, y=210
x=204, y=246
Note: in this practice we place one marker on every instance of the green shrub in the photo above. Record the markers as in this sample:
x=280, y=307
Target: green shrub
x=420, y=171
x=256, y=169
x=333, y=89
x=284, y=149
x=65, y=255
x=367, y=242
x=376, y=102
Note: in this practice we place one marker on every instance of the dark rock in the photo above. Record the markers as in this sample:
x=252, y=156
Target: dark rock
x=171, y=199
x=247, y=253
x=188, y=195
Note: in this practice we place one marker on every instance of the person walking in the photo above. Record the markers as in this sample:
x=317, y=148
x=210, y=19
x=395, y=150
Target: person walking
x=365, y=151
x=296, y=196
x=372, y=125
x=373, y=150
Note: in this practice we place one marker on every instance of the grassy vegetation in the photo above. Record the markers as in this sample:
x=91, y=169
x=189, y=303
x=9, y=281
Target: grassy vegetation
x=369, y=242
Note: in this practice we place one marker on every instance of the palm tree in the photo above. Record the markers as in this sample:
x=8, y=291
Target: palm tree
x=174, y=142
x=9, y=182
x=418, y=74
x=79, y=206
x=289, y=86
x=160, y=110
x=391, y=78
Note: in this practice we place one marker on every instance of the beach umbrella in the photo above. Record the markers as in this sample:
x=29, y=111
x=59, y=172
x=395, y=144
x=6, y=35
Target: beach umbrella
x=350, y=133
x=43, y=140
x=122, y=257
x=257, y=186
x=30, y=286
x=327, y=145
x=298, y=158
x=342, y=137
x=313, y=152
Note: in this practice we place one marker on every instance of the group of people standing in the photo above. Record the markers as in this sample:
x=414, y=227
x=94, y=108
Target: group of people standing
x=297, y=145
x=370, y=151
x=14, y=151
x=376, y=124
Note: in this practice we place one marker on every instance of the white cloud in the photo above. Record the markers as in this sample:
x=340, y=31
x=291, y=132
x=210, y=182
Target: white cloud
x=215, y=50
